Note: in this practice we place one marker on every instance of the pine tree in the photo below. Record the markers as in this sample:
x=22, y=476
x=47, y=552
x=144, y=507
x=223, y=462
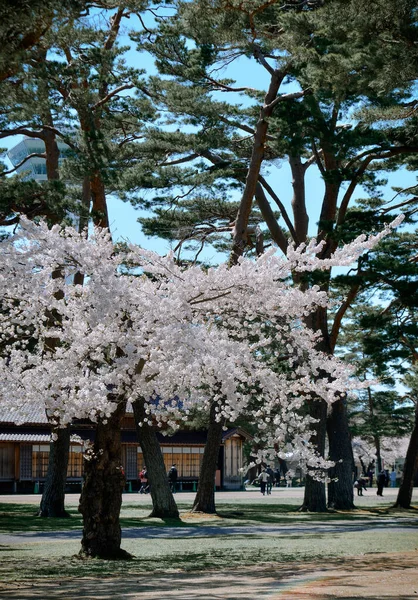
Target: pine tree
x=344, y=114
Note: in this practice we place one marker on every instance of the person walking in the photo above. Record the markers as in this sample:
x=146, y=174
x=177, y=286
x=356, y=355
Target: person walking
x=263, y=479
x=172, y=478
x=360, y=486
x=143, y=478
x=270, y=481
x=381, y=480
x=392, y=478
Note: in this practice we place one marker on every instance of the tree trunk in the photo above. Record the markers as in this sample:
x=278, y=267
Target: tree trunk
x=239, y=239
x=314, y=499
x=101, y=496
x=410, y=468
x=205, y=496
x=52, y=152
x=340, y=489
x=164, y=506
x=99, y=204
x=379, y=466
x=53, y=497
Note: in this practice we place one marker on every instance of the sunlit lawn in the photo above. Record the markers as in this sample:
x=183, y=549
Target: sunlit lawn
x=208, y=543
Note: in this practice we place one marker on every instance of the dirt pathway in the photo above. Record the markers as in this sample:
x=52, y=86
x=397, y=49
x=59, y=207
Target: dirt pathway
x=374, y=577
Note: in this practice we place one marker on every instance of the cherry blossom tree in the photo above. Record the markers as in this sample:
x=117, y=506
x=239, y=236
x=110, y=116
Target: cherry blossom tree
x=143, y=328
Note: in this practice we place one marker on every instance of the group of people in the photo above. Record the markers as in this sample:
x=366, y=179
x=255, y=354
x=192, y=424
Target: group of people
x=382, y=480
x=267, y=478
x=144, y=487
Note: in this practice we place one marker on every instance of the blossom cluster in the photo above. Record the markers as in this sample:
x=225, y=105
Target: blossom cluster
x=142, y=327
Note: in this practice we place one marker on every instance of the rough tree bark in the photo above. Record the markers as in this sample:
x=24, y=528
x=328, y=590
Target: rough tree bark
x=164, y=506
x=340, y=488
x=205, y=496
x=314, y=499
x=410, y=468
x=53, y=497
x=101, y=496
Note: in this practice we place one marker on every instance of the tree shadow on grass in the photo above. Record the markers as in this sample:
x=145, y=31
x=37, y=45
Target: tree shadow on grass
x=284, y=580
x=22, y=517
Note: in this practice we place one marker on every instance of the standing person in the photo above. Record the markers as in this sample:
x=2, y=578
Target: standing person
x=392, y=478
x=143, y=478
x=381, y=480
x=270, y=481
x=360, y=486
x=263, y=479
x=289, y=478
x=277, y=477
x=370, y=474
x=172, y=478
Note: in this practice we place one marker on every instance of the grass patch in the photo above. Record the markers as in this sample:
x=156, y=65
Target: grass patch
x=22, y=517
x=207, y=545
x=55, y=560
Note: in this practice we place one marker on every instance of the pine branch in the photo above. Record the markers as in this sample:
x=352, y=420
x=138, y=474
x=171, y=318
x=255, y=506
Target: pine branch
x=336, y=326
x=22, y=162
x=125, y=86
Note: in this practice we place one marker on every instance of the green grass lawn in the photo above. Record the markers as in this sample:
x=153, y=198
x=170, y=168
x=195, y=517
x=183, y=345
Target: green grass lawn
x=56, y=558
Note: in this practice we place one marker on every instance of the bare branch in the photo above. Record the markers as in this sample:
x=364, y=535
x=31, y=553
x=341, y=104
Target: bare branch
x=285, y=97
x=179, y=160
x=22, y=162
x=259, y=56
x=340, y=314
x=280, y=205
x=317, y=155
x=271, y=221
x=125, y=86
x=4, y=133
x=228, y=88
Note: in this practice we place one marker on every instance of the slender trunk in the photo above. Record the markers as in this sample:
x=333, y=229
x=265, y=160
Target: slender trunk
x=314, y=499
x=164, y=506
x=410, y=468
x=340, y=488
x=53, y=497
x=101, y=496
x=376, y=440
x=300, y=214
x=260, y=136
x=205, y=496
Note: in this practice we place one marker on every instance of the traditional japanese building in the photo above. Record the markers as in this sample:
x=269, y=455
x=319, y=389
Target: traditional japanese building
x=24, y=454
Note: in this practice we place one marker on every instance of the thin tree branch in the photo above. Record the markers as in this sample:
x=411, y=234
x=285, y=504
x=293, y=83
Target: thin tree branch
x=4, y=133
x=280, y=205
x=285, y=97
x=180, y=160
x=335, y=330
x=317, y=156
x=270, y=219
x=125, y=86
x=22, y=162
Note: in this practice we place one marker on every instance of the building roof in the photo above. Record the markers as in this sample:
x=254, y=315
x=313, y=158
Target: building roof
x=32, y=414
x=12, y=424
x=43, y=438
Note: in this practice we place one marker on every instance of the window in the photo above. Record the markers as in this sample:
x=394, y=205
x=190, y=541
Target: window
x=131, y=464
x=187, y=459
x=75, y=462
x=7, y=461
x=26, y=462
x=40, y=459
